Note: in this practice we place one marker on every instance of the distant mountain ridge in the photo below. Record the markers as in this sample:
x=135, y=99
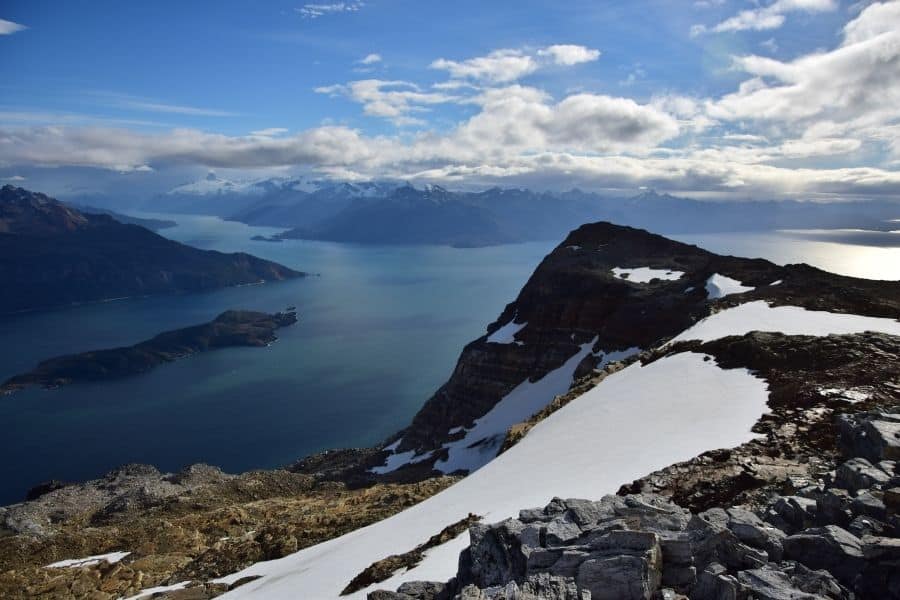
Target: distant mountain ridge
x=53, y=255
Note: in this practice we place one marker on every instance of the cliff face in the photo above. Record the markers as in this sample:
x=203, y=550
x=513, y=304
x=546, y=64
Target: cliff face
x=608, y=292
x=53, y=255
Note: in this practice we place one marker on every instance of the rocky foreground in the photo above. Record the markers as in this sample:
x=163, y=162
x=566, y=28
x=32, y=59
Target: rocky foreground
x=231, y=328
x=192, y=526
x=835, y=537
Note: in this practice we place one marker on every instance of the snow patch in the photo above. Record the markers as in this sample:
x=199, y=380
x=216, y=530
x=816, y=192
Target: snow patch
x=507, y=333
x=778, y=282
x=611, y=357
x=646, y=274
x=455, y=430
x=633, y=423
x=789, y=320
x=395, y=461
x=159, y=589
x=719, y=286
x=575, y=248
x=111, y=558
x=852, y=395
x=482, y=441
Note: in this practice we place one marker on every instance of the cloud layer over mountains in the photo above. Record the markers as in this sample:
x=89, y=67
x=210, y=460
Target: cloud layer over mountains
x=826, y=122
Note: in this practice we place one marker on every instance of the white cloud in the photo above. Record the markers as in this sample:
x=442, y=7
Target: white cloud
x=370, y=59
x=9, y=27
x=390, y=99
x=763, y=18
x=569, y=54
x=852, y=88
x=507, y=65
x=500, y=66
x=770, y=44
x=832, y=107
x=314, y=11
x=14, y=178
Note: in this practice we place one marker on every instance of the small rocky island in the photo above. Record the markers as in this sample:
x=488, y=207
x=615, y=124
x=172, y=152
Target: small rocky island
x=231, y=328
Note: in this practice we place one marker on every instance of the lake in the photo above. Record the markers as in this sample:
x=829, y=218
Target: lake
x=380, y=329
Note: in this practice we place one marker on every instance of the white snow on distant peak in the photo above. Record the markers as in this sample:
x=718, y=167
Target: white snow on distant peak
x=586, y=449
x=575, y=248
x=719, y=286
x=303, y=184
x=213, y=184
x=776, y=282
x=112, y=557
x=789, y=320
x=646, y=274
x=455, y=430
x=507, y=333
x=159, y=589
x=482, y=440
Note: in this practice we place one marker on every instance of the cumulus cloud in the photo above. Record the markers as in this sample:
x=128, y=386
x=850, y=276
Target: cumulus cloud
x=370, y=59
x=9, y=27
x=569, y=54
x=772, y=16
x=823, y=108
x=507, y=64
x=393, y=100
x=500, y=66
x=850, y=89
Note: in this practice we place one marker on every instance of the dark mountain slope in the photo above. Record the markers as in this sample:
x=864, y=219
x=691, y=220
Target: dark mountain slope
x=53, y=255
x=411, y=216
x=574, y=298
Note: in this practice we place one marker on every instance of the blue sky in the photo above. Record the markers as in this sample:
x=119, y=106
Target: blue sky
x=715, y=97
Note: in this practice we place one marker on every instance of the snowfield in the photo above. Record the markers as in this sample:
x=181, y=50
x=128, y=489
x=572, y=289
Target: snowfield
x=719, y=286
x=646, y=274
x=587, y=449
x=791, y=320
x=634, y=422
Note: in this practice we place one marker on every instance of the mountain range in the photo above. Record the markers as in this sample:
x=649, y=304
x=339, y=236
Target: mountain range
x=390, y=212
x=52, y=254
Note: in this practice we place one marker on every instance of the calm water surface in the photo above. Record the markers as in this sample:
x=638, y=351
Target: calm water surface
x=380, y=329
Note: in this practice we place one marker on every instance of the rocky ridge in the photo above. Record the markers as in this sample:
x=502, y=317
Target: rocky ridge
x=575, y=297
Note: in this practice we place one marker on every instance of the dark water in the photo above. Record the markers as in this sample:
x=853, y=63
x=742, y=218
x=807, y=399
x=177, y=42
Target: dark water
x=379, y=331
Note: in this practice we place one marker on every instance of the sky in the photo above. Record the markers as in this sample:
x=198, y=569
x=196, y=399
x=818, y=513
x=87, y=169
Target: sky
x=735, y=99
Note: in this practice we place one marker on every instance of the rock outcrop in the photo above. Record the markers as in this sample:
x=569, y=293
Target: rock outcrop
x=825, y=542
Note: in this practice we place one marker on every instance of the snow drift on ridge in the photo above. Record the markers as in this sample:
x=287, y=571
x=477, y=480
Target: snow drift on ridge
x=586, y=449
